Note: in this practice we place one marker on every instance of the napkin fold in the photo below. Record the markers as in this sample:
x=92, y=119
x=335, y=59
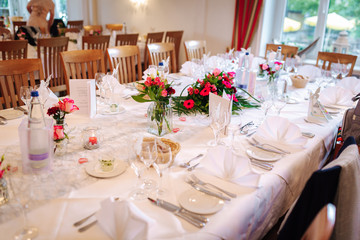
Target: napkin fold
x=222, y=162
x=123, y=220
x=336, y=96
x=47, y=97
x=280, y=132
x=350, y=83
x=310, y=71
x=188, y=68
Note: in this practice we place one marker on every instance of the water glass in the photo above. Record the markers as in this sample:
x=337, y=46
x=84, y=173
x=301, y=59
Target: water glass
x=99, y=83
x=219, y=118
x=25, y=95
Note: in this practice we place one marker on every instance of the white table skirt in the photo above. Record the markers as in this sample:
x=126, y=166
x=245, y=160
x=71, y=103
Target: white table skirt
x=249, y=216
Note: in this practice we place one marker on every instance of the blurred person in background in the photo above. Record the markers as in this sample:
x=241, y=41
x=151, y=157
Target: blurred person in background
x=38, y=10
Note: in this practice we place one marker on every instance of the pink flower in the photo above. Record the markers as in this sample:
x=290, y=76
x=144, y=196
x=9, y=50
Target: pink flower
x=213, y=88
x=216, y=72
x=219, y=77
x=147, y=82
x=277, y=67
x=164, y=93
x=59, y=132
x=231, y=74
x=227, y=84
x=264, y=66
x=189, y=104
x=67, y=105
x=235, y=99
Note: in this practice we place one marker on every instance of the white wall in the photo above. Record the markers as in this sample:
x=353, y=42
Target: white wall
x=211, y=20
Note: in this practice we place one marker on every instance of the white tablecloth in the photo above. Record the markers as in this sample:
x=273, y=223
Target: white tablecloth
x=249, y=216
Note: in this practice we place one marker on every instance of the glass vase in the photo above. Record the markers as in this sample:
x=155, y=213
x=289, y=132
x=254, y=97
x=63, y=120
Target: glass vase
x=4, y=193
x=272, y=86
x=60, y=138
x=159, y=118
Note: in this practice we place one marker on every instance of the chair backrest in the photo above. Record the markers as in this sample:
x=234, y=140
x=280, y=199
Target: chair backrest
x=96, y=42
x=286, y=50
x=329, y=57
x=114, y=26
x=14, y=74
x=17, y=25
x=48, y=49
x=126, y=39
x=82, y=64
x=95, y=28
x=75, y=24
x=14, y=49
x=127, y=57
x=2, y=23
x=195, y=49
x=175, y=37
x=5, y=33
x=75, y=30
x=161, y=51
x=151, y=38
x=322, y=226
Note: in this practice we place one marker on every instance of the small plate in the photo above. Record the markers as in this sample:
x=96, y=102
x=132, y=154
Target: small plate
x=292, y=101
x=107, y=112
x=200, y=203
x=262, y=155
x=93, y=169
x=10, y=114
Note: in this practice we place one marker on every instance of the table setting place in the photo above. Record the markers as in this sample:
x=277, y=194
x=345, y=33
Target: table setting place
x=200, y=154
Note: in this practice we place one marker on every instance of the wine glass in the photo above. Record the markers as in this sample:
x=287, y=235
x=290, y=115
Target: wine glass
x=99, y=83
x=162, y=164
x=148, y=156
x=289, y=65
x=219, y=119
x=335, y=71
x=345, y=69
x=25, y=95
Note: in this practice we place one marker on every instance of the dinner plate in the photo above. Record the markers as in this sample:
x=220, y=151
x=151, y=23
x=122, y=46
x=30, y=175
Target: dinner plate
x=93, y=169
x=262, y=155
x=10, y=114
x=108, y=112
x=200, y=203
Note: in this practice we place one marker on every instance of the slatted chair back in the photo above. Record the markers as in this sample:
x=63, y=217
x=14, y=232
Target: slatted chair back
x=154, y=37
x=95, y=28
x=17, y=25
x=14, y=49
x=286, y=50
x=96, y=42
x=2, y=23
x=75, y=30
x=161, y=51
x=75, y=24
x=5, y=33
x=175, y=37
x=195, y=49
x=128, y=59
x=126, y=39
x=14, y=74
x=82, y=64
x=114, y=26
x=328, y=58
x=48, y=49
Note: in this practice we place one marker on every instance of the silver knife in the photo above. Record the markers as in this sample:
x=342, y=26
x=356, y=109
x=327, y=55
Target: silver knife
x=201, y=189
x=266, y=149
x=196, y=220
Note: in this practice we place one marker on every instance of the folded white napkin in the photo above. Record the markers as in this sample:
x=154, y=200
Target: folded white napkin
x=280, y=132
x=350, y=83
x=310, y=71
x=222, y=162
x=47, y=97
x=123, y=220
x=188, y=68
x=150, y=72
x=336, y=96
x=215, y=62
x=271, y=56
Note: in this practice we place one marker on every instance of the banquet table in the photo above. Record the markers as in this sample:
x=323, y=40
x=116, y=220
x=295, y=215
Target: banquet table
x=250, y=215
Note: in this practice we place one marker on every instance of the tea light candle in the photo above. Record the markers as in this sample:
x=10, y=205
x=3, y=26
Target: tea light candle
x=93, y=140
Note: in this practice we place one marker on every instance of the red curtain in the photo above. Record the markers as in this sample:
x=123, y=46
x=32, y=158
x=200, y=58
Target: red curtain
x=247, y=15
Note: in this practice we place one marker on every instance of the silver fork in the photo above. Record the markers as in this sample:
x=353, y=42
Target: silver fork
x=187, y=164
x=266, y=144
x=198, y=181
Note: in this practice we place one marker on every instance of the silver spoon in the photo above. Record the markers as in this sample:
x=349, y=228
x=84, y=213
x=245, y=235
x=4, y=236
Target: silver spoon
x=193, y=167
x=187, y=164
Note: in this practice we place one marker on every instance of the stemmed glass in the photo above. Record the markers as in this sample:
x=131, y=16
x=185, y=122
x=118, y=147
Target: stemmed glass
x=162, y=164
x=219, y=119
x=25, y=95
x=148, y=156
x=99, y=83
x=345, y=69
x=335, y=71
x=289, y=64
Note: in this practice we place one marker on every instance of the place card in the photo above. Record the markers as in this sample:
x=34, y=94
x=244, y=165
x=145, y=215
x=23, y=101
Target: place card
x=317, y=113
x=83, y=92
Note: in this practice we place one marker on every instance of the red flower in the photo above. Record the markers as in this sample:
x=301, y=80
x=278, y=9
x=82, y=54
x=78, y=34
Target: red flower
x=227, y=84
x=189, y=104
x=53, y=110
x=190, y=90
x=170, y=90
x=59, y=132
x=196, y=91
x=205, y=92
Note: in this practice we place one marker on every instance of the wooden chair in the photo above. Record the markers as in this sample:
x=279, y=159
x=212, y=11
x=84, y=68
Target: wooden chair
x=14, y=49
x=17, y=25
x=195, y=49
x=286, y=50
x=151, y=38
x=96, y=42
x=114, y=27
x=2, y=23
x=95, y=28
x=127, y=57
x=75, y=24
x=322, y=226
x=126, y=39
x=161, y=51
x=5, y=33
x=75, y=30
x=329, y=57
x=48, y=50
x=14, y=74
x=82, y=64
x=175, y=37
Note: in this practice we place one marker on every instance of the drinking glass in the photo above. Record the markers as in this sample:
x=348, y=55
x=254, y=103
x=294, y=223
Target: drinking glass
x=99, y=83
x=335, y=71
x=219, y=119
x=289, y=65
x=279, y=103
x=345, y=69
x=148, y=156
x=25, y=95
x=162, y=164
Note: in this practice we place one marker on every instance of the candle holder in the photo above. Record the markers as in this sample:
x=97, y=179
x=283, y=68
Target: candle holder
x=91, y=138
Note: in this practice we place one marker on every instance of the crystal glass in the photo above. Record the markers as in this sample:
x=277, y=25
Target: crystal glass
x=219, y=118
x=289, y=65
x=336, y=71
x=99, y=83
x=91, y=138
x=148, y=156
x=25, y=95
x=162, y=164
x=345, y=69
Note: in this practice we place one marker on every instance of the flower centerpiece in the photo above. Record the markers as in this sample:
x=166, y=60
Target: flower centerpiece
x=271, y=69
x=58, y=113
x=158, y=91
x=217, y=82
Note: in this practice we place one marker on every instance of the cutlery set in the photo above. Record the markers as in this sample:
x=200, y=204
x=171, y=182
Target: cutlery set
x=187, y=164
